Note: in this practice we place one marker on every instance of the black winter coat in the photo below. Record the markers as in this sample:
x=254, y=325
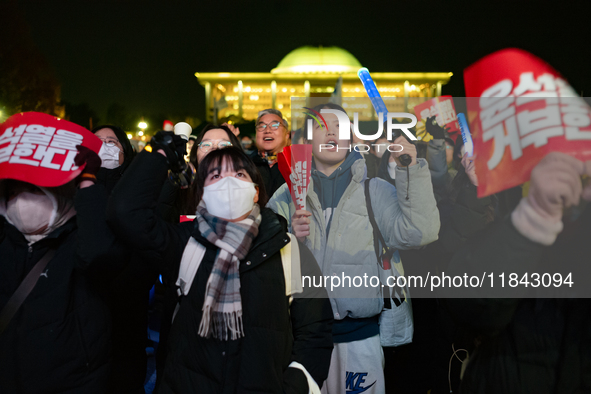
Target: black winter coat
x=275, y=332
x=272, y=177
x=58, y=341
x=126, y=292
x=527, y=345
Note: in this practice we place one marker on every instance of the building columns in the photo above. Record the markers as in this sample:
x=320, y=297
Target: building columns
x=240, y=98
x=208, y=103
x=273, y=94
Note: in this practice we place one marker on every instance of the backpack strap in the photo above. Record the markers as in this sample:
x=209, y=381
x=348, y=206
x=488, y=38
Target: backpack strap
x=383, y=252
x=292, y=270
x=377, y=235
x=23, y=290
x=380, y=246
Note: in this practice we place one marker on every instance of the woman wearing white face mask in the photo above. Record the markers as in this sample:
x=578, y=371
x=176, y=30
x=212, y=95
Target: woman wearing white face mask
x=235, y=329
x=116, y=155
x=127, y=290
x=56, y=338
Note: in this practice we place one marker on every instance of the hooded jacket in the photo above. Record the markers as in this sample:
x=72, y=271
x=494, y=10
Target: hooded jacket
x=346, y=249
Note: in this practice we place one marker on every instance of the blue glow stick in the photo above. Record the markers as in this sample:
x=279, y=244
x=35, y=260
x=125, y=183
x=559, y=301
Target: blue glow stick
x=378, y=104
x=373, y=93
x=466, y=136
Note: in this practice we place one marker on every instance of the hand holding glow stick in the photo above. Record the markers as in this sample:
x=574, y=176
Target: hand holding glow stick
x=372, y=92
x=379, y=106
x=466, y=136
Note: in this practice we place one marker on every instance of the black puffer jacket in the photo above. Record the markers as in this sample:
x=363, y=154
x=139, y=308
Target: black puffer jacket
x=58, y=341
x=126, y=292
x=275, y=332
x=527, y=345
x=271, y=175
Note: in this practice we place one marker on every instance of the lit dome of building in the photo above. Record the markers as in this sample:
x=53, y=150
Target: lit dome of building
x=310, y=72
x=317, y=60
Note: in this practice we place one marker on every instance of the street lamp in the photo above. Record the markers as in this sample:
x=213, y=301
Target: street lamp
x=142, y=125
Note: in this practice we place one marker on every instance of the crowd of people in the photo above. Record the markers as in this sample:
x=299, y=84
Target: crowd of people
x=237, y=317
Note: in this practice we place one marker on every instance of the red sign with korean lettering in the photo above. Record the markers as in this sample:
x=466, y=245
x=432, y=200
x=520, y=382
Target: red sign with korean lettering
x=40, y=148
x=443, y=109
x=520, y=109
x=295, y=164
x=186, y=218
x=301, y=170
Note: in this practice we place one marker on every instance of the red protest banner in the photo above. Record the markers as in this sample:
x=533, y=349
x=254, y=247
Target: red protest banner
x=443, y=109
x=186, y=218
x=520, y=109
x=301, y=170
x=284, y=165
x=40, y=148
x=295, y=164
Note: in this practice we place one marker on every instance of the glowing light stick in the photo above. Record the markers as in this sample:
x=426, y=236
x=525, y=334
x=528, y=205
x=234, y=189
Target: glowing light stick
x=372, y=92
x=466, y=136
x=378, y=105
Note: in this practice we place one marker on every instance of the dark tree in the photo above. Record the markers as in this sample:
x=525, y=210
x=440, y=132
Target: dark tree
x=81, y=114
x=27, y=82
x=118, y=115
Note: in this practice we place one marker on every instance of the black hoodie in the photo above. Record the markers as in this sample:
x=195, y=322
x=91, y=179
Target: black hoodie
x=330, y=188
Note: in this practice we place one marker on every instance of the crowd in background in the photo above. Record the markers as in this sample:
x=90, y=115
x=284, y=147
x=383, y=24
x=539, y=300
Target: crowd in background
x=234, y=318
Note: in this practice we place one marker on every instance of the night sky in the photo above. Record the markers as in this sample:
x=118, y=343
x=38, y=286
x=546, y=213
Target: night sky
x=143, y=54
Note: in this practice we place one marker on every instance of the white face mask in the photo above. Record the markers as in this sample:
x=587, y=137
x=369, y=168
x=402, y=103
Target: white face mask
x=29, y=212
x=109, y=155
x=229, y=198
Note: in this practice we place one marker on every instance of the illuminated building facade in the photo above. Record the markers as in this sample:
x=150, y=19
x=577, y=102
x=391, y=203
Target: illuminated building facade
x=313, y=72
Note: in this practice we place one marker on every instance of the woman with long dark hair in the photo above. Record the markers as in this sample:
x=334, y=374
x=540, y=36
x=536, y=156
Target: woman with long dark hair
x=211, y=138
x=236, y=327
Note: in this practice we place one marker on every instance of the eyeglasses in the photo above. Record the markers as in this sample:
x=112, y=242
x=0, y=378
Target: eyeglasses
x=206, y=146
x=273, y=125
x=110, y=141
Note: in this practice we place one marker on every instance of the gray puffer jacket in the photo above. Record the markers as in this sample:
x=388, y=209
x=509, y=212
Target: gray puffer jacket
x=348, y=250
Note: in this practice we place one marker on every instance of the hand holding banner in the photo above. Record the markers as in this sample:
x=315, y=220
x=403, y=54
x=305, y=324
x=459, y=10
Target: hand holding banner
x=520, y=102
x=295, y=164
x=443, y=109
x=38, y=148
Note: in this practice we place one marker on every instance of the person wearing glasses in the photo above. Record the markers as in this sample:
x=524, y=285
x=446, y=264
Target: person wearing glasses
x=185, y=202
x=211, y=138
x=127, y=288
x=116, y=154
x=272, y=135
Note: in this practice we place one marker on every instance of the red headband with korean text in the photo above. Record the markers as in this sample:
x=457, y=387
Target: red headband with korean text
x=38, y=148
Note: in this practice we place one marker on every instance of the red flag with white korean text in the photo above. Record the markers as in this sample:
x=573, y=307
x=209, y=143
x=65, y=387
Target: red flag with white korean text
x=520, y=109
x=295, y=164
x=38, y=148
